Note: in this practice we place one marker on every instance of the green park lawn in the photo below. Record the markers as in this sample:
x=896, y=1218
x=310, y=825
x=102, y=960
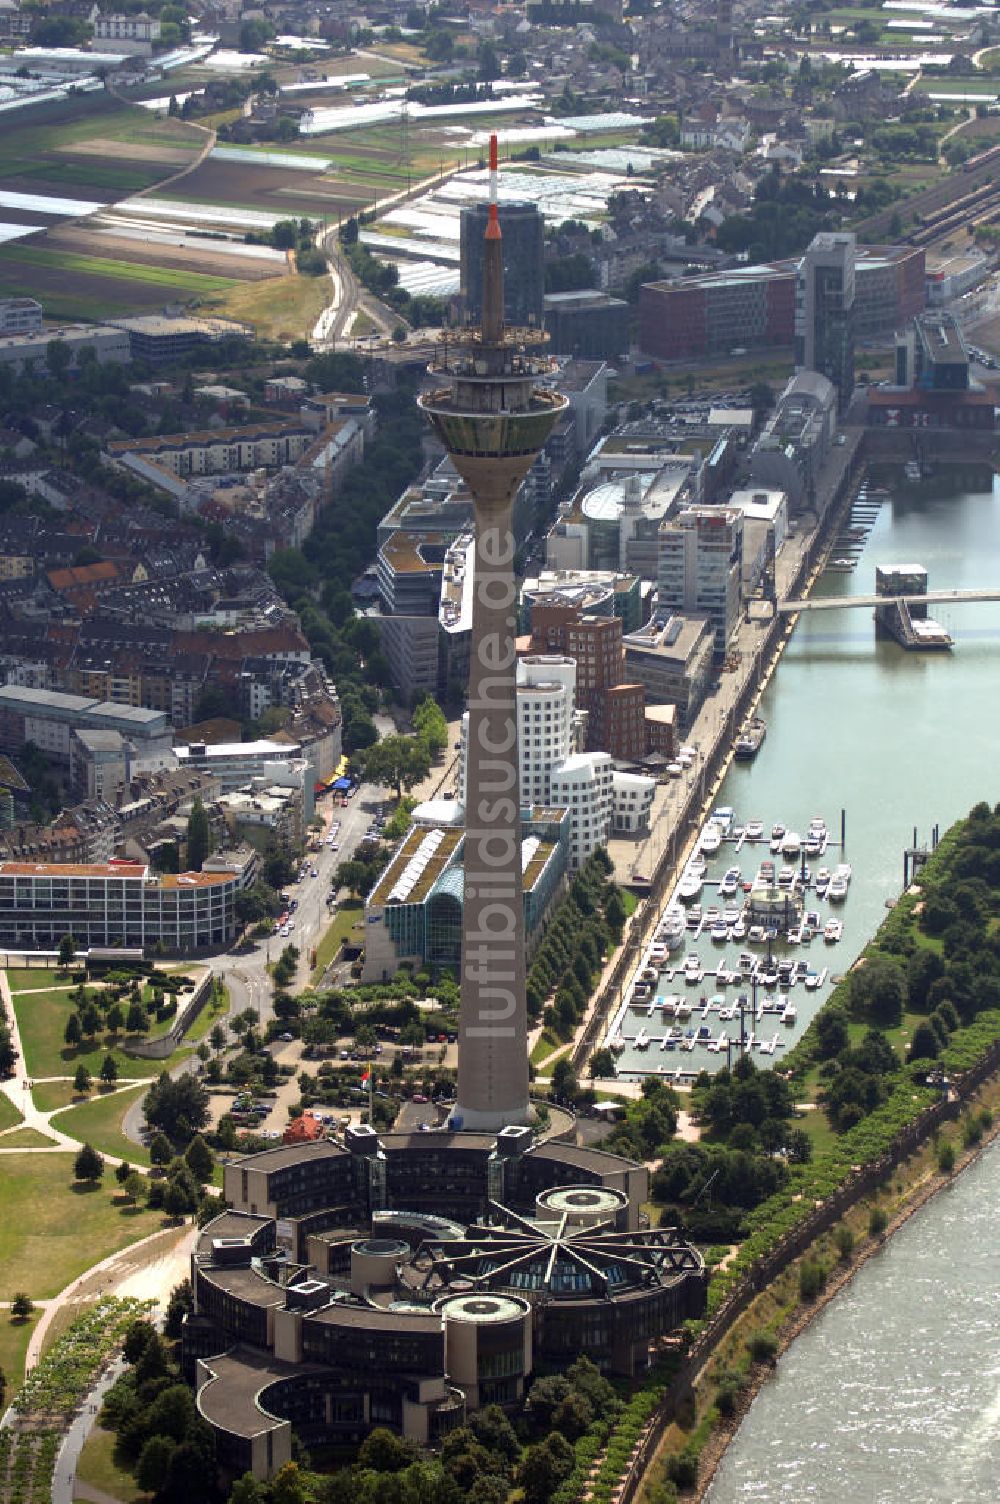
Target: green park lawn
x=97, y=1467
x=545, y=1045
x=52, y=1229
x=26, y=1138
x=14, y=1339
x=49, y=1096
x=9, y=1115
x=99, y=1122
x=30, y=978
x=41, y=1019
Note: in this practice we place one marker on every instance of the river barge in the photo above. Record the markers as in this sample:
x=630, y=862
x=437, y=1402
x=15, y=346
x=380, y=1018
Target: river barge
x=750, y=739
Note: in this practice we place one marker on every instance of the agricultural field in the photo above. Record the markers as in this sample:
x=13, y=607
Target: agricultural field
x=194, y=255
x=76, y=286
x=273, y=190
x=103, y=152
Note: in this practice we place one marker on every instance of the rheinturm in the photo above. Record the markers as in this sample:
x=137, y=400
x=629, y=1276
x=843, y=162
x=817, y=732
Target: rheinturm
x=493, y=415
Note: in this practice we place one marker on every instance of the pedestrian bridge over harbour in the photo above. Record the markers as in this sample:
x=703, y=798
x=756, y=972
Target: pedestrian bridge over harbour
x=842, y=602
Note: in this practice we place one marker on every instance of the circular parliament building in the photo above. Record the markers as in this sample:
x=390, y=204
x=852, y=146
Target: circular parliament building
x=402, y=1280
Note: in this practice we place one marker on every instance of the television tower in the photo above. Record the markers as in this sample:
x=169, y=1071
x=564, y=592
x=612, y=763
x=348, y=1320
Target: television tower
x=493, y=418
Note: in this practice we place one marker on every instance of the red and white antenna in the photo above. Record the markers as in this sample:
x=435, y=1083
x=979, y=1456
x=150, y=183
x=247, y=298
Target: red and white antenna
x=493, y=168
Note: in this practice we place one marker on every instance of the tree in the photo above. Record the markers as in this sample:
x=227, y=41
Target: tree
x=58, y=358
x=544, y=1467
x=160, y=1151
x=922, y=970
x=254, y=34
x=67, y=950
x=545, y=1395
x=88, y=1165
x=176, y=1199
x=429, y=723
x=564, y=1083
x=489, y=63
x=181, y=1302
x=82, y=1079
x=925, y=1044
x=602, y=1064
x=109, y=1071
x=832, y=1032
x=400, y=761
x=246, y=1490
x=73, y=1033
x=288, y=1486
x=115, y=1019
x=154, y=1462
x=439, y=46
x=21, y=1306
x=384, y=1452
x=123, y=1171
x=178, y=1108
x=199, y=1158
x=878, y=990
x=199, y=843
x=137, y=1020
x=132, y=1185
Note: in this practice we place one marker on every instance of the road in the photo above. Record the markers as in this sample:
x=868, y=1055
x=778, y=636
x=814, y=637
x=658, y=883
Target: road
x=244, y=971
x=349, y=297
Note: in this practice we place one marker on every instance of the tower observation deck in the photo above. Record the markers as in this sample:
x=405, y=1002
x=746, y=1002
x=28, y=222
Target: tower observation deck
x=493, y=414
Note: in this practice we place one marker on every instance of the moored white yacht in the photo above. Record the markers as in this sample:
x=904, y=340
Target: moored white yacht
x=711, y=839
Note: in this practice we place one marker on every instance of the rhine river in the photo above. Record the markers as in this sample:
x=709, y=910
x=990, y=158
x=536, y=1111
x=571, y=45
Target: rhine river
x=892, y=1396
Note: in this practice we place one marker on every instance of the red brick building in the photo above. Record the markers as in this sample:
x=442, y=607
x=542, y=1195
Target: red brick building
x=616, y=710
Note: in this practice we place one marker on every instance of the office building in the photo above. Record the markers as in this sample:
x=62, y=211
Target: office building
x=588, y=592
x=121, y=904
x=49, y=719
x=413, y=915
x=796, y=440
x=614, y=708
x=110, y=345
x=493, y=416
x=753, y=307
x=157, y=341
x=932, y=356
x=556, y=773
x=615, y=524
x=824, y=311
x=522, y=231
x=372, y=1284
x=672, y=659
x=588, y=324
x=137, y=28
x=20, y=316
x=701, y=568
x=765, y=527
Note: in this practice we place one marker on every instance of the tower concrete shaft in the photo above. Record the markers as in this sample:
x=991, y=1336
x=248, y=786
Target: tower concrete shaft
x=493, y=418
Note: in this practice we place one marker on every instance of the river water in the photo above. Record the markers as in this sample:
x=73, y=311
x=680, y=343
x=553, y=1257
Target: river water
x=893, y=1395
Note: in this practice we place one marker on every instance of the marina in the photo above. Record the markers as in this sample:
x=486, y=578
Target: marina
x=699, y=998
x=840, y=712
